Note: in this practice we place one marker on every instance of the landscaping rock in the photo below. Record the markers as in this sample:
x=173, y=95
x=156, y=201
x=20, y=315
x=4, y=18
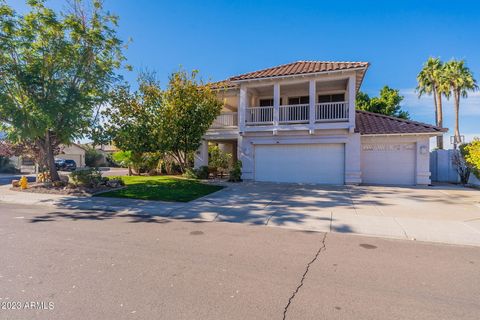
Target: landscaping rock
x=113, y=184
x=15, y=183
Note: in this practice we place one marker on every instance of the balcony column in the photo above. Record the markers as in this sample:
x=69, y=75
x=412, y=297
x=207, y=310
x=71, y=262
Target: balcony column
x=312, y=99
x=242, y=108
x=276, y=104
x=351, y=101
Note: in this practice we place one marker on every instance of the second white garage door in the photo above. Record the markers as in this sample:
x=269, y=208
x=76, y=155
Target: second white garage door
x=384, y=163
x=300, y=163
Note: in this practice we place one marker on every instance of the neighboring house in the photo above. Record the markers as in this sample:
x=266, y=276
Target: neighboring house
x=73, y=152
x=107, y=148
x=297, y=123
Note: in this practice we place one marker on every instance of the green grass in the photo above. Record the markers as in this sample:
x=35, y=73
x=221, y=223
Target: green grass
x=163, y=188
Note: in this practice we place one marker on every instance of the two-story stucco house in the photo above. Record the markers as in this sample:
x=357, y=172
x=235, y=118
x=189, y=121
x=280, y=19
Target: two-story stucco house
x=297, y=123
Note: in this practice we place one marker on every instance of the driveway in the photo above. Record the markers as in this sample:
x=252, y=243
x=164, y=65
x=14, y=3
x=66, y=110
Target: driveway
x=447, y=214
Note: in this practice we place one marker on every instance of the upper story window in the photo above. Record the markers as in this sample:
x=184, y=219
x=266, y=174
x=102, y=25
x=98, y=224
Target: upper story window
x=298, y=100
x=322, y=98
x=267, y=102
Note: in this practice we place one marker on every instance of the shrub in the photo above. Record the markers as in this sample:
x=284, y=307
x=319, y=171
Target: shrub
x=93, y=158
x=460, y=164
x=190, y=173
x=236, y=172
x=87, y=178
x=59, y=184
x=118, y=179
x=471, y=153
x=218, y=160
x=200, y=173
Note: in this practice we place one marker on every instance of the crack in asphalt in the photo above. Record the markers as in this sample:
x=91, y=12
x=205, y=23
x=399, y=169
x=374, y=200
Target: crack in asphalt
x=290, y=300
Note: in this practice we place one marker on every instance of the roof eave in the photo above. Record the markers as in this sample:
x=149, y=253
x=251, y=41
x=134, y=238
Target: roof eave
x=299, y=75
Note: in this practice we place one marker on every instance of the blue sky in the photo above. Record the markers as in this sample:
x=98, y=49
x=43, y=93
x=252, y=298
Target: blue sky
x=225, y=38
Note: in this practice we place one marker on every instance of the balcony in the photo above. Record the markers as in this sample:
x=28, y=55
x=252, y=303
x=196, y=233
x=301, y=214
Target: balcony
x=298, y=114
x=259, y=116
x=226, y=120
x=331, y=111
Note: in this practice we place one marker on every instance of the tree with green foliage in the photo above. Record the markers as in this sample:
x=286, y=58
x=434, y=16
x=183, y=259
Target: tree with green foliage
x=460, y=81
x=388, y=103
x=131, y=117
x=189, y=108
x=130, y=122
x=55, y=69
x=432, y=81
x=218, y=159
x=125, y=159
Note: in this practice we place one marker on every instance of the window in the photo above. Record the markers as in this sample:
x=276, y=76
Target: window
x=331, y=98
x=268, y=102
x=298, y=100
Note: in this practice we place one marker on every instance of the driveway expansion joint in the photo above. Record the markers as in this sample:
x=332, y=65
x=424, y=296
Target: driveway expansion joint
x=348, y=188
x=302, y=280
x=270, y=203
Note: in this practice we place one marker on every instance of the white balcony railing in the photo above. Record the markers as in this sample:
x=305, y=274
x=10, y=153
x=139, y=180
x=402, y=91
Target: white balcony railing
x=259, y=115
x=331, y=111
x=226, y=120
x=296, y=113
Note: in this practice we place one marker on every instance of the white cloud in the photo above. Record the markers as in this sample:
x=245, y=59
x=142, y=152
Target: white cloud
x=423, y=110
x=424, y=106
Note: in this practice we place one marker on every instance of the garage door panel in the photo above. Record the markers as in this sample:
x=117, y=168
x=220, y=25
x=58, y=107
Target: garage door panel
x=388, y=163
x=301, y=163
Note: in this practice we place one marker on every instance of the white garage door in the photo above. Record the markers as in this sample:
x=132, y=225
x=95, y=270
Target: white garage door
x=388, y=163
x=301, y=163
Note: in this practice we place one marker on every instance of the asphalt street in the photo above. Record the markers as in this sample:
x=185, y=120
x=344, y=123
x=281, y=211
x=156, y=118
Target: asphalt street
x=60, y=264
x=7, y=179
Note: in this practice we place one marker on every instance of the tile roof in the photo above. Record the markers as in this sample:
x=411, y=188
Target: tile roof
x=300, y=68
x=374, y=123
x=225, y=84
x=296, y=69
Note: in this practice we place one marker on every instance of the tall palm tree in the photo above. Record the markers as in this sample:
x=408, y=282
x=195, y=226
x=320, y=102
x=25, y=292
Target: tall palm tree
x=431, y=81
x=460, y=81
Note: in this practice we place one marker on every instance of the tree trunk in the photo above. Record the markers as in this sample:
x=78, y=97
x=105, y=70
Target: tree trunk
x=435, y=102
x=439, y=119
x=457, y=111
x=50, y=158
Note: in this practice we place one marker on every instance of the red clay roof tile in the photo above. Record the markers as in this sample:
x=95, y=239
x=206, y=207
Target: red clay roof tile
x=374, y=123
x=299, y=68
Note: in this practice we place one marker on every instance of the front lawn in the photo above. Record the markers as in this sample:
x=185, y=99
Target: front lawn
x=164, y=188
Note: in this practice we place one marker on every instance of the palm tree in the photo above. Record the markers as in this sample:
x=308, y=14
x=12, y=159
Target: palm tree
x=460, y=81
x=431, y=81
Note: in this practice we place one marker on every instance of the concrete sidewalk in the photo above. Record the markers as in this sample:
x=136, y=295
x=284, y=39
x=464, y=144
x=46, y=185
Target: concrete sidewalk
x=445, y=214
